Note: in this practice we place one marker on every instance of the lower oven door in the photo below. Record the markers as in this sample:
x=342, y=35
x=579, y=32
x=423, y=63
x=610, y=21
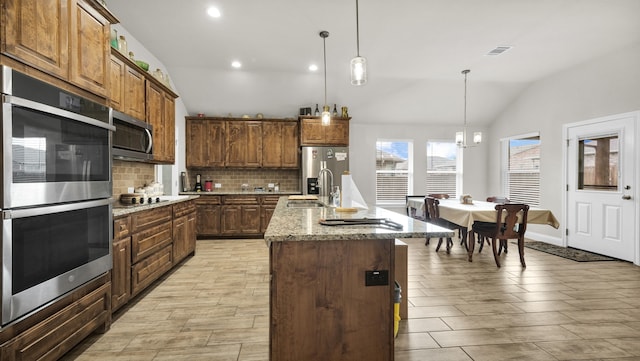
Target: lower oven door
x=49, y=251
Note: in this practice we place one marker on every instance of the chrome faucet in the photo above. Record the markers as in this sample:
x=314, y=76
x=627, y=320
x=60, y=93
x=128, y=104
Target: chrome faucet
x=324, y=191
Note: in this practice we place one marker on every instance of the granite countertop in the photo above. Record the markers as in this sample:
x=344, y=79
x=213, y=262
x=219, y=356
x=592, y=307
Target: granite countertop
x=170, y=200
x=240, y=192
x=301, y=224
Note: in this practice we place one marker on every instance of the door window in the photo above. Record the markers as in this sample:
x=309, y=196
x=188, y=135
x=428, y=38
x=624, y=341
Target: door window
x=598, y=163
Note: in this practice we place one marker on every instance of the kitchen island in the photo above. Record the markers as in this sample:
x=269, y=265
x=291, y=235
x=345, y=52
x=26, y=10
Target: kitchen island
x=332, y=287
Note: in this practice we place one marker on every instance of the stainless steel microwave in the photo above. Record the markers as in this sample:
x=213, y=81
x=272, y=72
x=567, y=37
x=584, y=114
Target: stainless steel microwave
x=132, y=139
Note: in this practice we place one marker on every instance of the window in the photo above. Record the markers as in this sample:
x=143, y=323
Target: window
x=442, y=168
x=598, y=163
x=393, y=170
x=522, y=169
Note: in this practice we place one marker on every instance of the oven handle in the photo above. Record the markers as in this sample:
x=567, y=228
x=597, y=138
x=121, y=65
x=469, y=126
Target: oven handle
x=148, y=151
x=25, y=103
x=38, y=211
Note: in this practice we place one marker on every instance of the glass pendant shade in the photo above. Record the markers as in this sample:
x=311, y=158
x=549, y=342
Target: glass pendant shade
x=477, y=137
x=326, y=115
x=459, y=138
x=358, y=70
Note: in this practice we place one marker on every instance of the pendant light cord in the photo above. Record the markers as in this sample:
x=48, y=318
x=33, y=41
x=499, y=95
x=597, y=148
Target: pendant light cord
x=357, y=31
x=324, y=45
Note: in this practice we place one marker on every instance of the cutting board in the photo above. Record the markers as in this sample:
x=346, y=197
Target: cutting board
x=303, y=198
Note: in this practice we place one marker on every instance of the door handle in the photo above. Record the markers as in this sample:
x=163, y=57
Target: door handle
x=626, y=197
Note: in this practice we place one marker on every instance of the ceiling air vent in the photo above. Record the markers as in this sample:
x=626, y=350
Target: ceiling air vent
x=499, y=50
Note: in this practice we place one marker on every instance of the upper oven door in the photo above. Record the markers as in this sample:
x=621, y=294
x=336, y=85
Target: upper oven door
x=52, y=155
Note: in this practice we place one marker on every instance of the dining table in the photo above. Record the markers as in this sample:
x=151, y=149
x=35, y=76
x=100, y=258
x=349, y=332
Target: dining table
x=465, y=215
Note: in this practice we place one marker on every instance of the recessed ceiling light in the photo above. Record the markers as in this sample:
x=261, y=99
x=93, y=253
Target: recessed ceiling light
x=236, y=64
x=213, y=12
x=313, y=67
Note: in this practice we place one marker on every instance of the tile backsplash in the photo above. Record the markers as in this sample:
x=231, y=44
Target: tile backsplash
x=131, y=174
x=232, y=179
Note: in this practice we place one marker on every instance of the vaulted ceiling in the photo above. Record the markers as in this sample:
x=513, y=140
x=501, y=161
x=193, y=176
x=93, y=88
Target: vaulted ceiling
x=416, y=50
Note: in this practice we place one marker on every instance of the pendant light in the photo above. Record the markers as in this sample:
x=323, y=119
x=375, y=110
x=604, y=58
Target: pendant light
x=359, y=63
x=326, y=115
x=461, y=137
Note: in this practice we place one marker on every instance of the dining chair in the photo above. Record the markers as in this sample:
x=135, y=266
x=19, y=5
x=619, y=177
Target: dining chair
x=409, y=213
x=438, y=195
x=493, y=199
x=432, y=205
x=511, y=223
x=462, y=231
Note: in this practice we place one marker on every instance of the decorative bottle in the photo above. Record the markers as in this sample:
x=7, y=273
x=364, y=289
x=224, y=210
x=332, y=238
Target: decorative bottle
x=114, y=39
x=335, y=111
x=122, y=45
x=317, y=112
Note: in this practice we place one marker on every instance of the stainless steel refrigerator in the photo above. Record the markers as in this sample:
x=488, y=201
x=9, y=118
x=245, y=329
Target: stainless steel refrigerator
x=335, y=159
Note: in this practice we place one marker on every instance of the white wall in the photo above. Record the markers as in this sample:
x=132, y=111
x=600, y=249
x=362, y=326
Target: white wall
x=166, y=174
x=604, y=86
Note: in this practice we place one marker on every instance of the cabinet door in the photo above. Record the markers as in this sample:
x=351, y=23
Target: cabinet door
x=169, y=120
x=196, y=146
x=231, y=219
x=208, y=220
x=121, y=273
x=311, y=132
x=179, y=239
x=272, y=138
x=155, y=113
x=191, y=233
x=215, y=134
x=244, y=144
x=338, y=132
x=89, y=48
x=265, y=217
x=290, y=145
x=36, y=32
x=250, y=220
x=116, y=84
x=134, y=101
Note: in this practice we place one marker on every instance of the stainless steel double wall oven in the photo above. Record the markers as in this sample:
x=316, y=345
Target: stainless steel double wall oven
x=56, y=193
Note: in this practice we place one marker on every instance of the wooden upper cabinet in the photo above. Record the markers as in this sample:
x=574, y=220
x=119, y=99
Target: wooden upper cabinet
x=280, y=144
x=116, y=88
x=161, y=115
x=205, y=143
x=89, y=48
x=67, y=39
x=312, y=132
x=244, y=144
x=36, y=32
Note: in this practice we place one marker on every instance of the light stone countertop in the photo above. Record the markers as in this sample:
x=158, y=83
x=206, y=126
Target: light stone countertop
x=118, y=212
x=249, y=193
x=301, y=224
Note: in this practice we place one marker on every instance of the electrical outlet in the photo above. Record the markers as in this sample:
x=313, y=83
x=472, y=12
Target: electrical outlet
x=376, y=278
x=218, y=185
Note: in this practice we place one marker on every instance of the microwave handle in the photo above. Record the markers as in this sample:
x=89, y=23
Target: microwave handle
x=148, y=150
x=25, y=103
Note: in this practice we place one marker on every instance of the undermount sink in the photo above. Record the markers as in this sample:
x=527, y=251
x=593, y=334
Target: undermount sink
x=304, y=204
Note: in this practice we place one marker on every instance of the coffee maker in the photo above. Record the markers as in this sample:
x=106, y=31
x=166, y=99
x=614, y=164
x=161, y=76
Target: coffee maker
x=198, y=187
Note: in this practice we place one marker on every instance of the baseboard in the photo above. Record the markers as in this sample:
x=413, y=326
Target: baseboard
x=545, y=238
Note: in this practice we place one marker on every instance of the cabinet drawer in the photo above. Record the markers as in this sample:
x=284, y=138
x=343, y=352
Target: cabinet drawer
x=121, y=227
x=150, y=269
x=271, y=200
x=248, y=200
x=150, y=241
x=146, y=219
x=184, y=208
x=56, y=335
x=209, y=200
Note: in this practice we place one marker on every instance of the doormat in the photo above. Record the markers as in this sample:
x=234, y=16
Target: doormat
x=574, y=254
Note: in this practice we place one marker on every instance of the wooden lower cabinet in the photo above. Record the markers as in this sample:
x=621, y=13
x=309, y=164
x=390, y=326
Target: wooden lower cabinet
x=147, y=244
x=234, y=215
x=320, y=307
x=56, y=329
x=184, y=230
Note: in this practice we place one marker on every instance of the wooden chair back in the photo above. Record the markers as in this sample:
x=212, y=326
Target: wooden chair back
x=439, y=195
x=433, y=212
x=507, y=224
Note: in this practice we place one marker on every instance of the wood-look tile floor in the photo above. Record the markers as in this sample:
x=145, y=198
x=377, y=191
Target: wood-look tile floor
x=215, y=307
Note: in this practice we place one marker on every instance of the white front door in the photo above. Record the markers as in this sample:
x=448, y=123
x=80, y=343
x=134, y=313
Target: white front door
x=601, y=201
